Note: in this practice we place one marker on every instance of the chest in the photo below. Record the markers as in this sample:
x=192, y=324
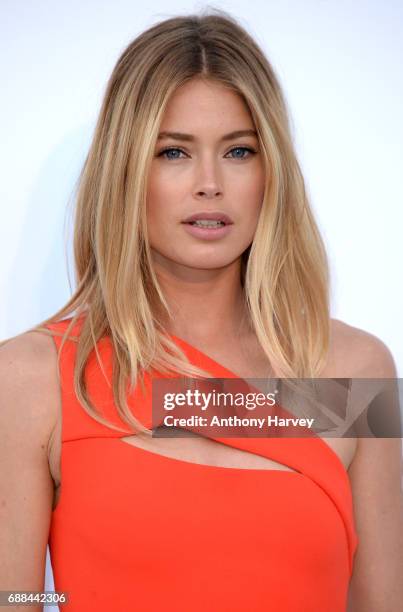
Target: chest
x=246, y=362
x=220, y=531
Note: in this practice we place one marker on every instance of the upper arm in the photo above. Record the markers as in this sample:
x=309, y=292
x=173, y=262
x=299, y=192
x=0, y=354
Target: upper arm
x=376, y=479
x=28, y=386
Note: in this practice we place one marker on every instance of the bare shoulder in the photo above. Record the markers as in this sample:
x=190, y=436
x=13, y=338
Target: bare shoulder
x=375, y=475
x=29, y=383
x=357, y=353
x=28, y=415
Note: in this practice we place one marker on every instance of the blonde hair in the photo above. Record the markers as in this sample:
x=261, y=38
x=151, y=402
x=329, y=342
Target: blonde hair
x=285, y=270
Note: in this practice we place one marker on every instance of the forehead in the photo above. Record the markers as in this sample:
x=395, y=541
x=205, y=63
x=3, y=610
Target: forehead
x=200, y=105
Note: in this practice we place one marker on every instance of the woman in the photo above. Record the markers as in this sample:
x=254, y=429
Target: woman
x=193, y=131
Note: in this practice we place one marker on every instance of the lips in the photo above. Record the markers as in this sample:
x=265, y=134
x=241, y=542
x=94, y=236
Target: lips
x=212, y=216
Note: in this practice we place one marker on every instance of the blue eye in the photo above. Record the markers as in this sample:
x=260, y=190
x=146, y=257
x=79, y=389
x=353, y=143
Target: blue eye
x=242, y=149
x=164, y=152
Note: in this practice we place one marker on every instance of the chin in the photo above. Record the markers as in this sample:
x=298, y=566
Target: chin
x=199, y=261
x=209, y=264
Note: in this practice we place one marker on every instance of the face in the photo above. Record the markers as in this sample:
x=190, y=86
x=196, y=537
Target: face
x=209, y=173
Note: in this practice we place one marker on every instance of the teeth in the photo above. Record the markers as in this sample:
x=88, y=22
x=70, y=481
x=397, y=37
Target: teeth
x=207, y=223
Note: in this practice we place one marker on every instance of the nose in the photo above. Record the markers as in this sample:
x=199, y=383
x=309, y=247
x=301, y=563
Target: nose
x=208, y=184
x=208, y=192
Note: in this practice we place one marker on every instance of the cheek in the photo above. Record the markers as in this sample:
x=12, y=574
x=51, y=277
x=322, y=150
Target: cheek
x=250, y=197
x=157, y=210
x=162, y=213
x=164, y=197
x=153, y=199
x=248, y=184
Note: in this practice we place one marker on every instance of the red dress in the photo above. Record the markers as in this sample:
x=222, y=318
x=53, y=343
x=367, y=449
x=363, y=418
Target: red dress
x=136, y=530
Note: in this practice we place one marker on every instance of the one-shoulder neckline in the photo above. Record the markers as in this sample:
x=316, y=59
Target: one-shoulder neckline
x=232, y=374
x=227, y=373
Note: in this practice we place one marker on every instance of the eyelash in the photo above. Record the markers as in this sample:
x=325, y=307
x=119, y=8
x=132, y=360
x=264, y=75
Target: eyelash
x=161, y=153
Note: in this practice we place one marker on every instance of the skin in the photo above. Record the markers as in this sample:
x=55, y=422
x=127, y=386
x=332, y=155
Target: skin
x=208, y=175
x=194, y=274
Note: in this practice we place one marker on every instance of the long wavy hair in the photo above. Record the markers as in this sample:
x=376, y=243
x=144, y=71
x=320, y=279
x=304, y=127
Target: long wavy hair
x=285, y=275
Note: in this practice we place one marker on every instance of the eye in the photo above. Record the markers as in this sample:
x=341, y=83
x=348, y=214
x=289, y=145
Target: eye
x=169, y=150
x=251, y=151
x=164, y=153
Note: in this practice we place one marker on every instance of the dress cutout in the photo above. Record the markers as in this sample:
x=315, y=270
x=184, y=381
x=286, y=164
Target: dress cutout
x=136, y=530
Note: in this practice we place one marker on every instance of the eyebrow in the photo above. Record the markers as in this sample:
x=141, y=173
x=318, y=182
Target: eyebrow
x=191, y=138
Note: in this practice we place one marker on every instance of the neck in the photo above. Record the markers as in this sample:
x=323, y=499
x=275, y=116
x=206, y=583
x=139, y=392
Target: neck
x=206, y=305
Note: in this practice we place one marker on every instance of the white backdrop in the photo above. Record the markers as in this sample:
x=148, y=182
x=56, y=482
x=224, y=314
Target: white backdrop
x=340, y=65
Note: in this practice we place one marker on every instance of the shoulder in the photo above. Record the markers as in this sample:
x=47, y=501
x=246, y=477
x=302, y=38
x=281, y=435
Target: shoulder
x=357, y=353
x=375, y=476
x=29, y=383
x=28, y=408
x=31, y=354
